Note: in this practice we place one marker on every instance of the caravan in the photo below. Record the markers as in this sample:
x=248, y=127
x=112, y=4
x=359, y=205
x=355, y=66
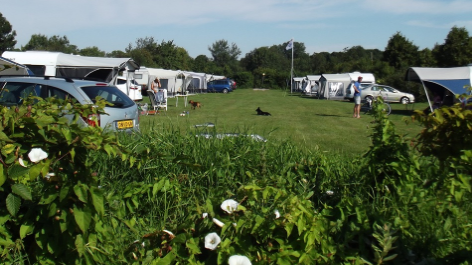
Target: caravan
x=57, y=64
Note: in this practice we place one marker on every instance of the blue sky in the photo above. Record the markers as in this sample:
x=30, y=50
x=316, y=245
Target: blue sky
x=323, y=26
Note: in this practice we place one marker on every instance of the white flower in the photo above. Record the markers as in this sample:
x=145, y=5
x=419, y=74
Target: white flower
x=204, y=215
x=218, y=222
x=329, y=192
x=49, y=175
x=229, y=206
x=37, y=154
x=277, y=214
x=239, y=260
x=143, y=244
x=212, y=240
x=136, y=241
x=168, y=232
x=22, y=163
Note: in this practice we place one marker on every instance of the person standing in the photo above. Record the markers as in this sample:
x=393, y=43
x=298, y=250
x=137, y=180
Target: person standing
x=357, y=97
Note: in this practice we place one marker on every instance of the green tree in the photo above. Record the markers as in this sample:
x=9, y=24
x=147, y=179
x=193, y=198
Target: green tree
x=118, y=54
x=55, y=43
x=400, y=52
x=93, y=51
x=7, y=35
x=456, y=50
x=225, y=56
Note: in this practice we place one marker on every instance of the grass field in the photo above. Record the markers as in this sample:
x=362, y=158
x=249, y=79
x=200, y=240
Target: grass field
x=308, y=122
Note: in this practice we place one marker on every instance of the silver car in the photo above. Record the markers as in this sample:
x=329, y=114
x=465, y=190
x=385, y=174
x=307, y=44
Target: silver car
x=389, y=94
x=122, y=116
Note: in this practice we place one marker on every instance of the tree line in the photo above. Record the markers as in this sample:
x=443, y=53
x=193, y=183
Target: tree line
x=388, y=66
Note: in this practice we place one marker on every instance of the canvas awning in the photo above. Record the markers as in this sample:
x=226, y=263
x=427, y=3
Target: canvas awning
x=456, y=80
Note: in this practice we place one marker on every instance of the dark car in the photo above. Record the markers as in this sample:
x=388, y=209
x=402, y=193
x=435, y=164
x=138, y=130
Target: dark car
x=222, y=85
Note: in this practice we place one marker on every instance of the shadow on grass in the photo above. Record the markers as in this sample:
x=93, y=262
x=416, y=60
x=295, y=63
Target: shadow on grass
x=402, y=112
x=330, y=115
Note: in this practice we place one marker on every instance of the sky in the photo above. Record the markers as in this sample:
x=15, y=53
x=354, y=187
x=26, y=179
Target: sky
x=322, y=26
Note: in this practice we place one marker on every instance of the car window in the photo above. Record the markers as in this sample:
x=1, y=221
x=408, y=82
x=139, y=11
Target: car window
x=120, y=82
x=57, y=93
x=110, y=94
x=13, y=93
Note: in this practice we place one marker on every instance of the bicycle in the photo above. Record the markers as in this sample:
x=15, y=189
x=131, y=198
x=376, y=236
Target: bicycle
x=367, y=106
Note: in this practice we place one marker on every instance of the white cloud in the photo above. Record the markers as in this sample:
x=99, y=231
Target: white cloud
x=420, y=6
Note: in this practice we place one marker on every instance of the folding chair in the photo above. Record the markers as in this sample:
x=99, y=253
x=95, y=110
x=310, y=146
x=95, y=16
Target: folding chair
x=159, y=99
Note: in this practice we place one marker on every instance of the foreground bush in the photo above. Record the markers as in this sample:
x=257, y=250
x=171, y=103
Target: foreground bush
x=218, y=201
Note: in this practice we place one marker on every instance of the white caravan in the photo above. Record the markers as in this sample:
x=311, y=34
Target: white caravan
x=57, y=64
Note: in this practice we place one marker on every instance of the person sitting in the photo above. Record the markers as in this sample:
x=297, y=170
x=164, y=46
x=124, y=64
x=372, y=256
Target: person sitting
x=437, y=101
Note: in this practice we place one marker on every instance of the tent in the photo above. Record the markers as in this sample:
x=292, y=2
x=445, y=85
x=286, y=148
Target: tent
x=367, y=78
x=43, y=63
x=8, y=67
x=298, y=83
x=198, y=82
x=443, y=81
x=333, y=86
x=311, y=84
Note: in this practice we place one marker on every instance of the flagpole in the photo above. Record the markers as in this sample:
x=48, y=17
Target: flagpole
x=291, y=70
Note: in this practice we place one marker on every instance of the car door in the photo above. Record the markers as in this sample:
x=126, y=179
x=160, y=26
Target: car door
x=391, y=94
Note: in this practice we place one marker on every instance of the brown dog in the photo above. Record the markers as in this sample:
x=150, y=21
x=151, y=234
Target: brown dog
x=194, y=104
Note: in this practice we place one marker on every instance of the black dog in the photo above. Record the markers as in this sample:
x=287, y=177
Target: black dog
x=260, y=112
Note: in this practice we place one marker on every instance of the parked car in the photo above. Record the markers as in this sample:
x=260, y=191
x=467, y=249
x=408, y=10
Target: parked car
x=222, y=85
x=134, y=88
x=389, y=94
x=233, y=84
x=350, y=90
x=121, y=116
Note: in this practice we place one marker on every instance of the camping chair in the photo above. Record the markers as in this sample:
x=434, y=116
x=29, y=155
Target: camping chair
x=159, y=99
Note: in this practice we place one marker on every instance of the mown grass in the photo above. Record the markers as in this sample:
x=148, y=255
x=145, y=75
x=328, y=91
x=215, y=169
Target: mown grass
x=308, y=122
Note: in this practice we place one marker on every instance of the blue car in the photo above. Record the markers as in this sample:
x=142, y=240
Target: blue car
x=222, y=86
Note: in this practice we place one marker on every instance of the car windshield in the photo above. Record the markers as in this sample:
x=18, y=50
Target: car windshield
x=110, y=94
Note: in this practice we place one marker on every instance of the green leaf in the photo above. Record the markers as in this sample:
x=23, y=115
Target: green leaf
x=13, y=203
x=83, y=218
x=35, y=171
x=48, y=196
x=22, y=191
x=3, y=178
x=16, y=171
x=168, y=259
x=26, y=230
x=81, y=191
x=7, y=149
x=390, y=257
x=97, y=200
x=157, y=187
x=192, y=246
x=79, y=244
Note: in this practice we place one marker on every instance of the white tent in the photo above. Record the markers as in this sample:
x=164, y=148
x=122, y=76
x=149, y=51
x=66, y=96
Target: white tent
x=8, y=67
x=198, y=82
x=214, y=77
x=43, y=63
x=333, y=86
x=312, y=84
x=443, y=81
x=298, y=83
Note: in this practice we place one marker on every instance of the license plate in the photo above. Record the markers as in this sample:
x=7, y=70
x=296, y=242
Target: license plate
x=125, y=124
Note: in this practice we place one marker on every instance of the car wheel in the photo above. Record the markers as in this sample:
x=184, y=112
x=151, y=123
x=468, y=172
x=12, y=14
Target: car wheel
x=405, y=100
x=225, y=91
x=369, y=99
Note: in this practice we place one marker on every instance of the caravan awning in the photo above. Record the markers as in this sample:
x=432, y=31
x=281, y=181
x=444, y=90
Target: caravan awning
x=8, y=67
x=453, y=79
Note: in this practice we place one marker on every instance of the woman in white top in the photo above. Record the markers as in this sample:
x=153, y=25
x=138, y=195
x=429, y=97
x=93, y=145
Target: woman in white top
x=155, y=85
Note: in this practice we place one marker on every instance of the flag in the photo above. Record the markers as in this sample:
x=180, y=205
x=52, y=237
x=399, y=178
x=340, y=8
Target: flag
x=289, y=45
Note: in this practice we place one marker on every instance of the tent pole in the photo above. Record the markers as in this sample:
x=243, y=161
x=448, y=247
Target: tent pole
x=427, y=96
